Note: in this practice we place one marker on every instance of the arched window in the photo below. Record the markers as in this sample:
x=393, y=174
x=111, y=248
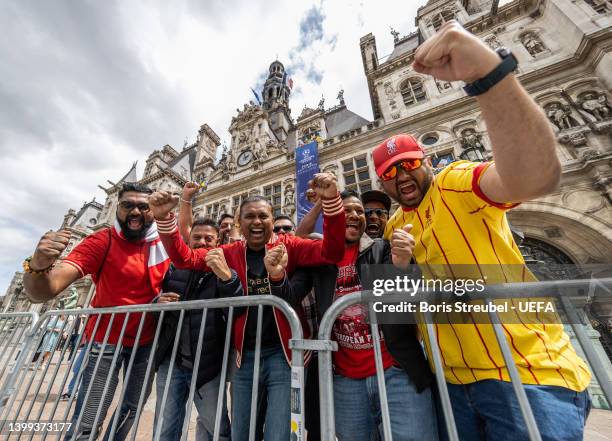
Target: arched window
x=600, y=6
x=412, y=91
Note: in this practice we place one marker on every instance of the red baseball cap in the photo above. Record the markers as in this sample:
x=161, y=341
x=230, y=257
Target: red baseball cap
x=394, y=149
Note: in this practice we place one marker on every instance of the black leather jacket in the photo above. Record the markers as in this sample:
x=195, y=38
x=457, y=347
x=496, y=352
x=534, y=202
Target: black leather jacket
x=197, y=285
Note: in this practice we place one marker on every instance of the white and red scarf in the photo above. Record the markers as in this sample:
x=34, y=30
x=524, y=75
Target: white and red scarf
x=158, y=260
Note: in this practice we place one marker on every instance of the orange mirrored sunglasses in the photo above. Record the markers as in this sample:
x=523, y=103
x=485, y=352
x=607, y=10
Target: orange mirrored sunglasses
x=406, y=165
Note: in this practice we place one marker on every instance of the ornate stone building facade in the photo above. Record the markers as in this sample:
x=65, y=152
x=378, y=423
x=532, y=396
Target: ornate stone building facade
x=564, y=48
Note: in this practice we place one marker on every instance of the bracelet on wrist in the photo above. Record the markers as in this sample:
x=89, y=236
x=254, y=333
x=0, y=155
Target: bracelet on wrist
x=186, y=201
x=28, y=269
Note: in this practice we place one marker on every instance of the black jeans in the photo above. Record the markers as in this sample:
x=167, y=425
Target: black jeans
x=98, y=403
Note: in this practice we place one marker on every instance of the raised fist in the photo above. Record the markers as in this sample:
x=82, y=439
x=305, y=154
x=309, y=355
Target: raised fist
x=49, y=248
x=454, y=54
x=189, y=190
x=215, y=259
x=162, y=203
x=402, y=245
x=324, y=185
x=276, y=261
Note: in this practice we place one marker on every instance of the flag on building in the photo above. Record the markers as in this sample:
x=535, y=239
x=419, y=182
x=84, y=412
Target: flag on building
x=287, y=80
x=256, y=96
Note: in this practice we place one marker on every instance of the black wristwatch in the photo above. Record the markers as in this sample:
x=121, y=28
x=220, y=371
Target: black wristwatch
x=508, y=64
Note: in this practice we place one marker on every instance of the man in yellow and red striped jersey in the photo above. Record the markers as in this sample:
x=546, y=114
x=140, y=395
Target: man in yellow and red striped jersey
x=459, y=217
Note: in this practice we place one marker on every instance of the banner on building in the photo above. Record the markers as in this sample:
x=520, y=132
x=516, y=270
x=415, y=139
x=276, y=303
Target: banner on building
x=306, y=165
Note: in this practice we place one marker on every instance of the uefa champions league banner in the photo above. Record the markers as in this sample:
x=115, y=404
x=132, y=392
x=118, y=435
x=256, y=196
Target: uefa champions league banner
x=306, y=165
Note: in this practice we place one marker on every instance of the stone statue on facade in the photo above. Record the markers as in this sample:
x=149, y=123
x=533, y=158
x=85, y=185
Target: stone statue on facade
x=471, y=140
x=228, y=165
x=289, y=202
x=443, y=85
x=596, y=105
x=259, y=152
x=395, y=35
x=493, y=42
x=389, y=91
x=341, y=97
x=331, y=168
x=532, y=43
x=560, y=116
x=321, y=105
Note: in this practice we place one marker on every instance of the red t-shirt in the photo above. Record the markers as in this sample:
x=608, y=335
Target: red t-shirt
x=124, y=280
x=355, y=355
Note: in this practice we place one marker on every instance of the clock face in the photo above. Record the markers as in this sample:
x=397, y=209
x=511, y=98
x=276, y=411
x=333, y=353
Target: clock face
x=244, y=158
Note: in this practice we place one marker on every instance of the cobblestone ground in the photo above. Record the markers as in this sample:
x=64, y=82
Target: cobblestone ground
x=599, y=424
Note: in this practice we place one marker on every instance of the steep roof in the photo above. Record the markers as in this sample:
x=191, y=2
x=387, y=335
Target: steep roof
x=131, y=175
x=185, y=159
x=339, y=120
x=405, y=45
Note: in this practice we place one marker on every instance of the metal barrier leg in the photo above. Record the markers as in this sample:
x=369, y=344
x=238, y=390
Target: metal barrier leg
x=81, y=371
x=126, y=378
x=194, y=376
x=517, y=385
x=598, y=369
x=107, y=384
x=380, y=376
x=143, y=392
x=159, y=424
x=18, y=377
x=255, y=388
x=447, y=407
x=89, y=383
x=221, y=397
x=51, y=383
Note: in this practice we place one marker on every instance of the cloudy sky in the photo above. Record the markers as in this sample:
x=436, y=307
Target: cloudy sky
x=88, y=87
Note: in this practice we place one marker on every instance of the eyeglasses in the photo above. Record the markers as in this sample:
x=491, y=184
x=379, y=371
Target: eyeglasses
x=406, y=165
x=285, y=228
x=129, y=206
x=377, y=211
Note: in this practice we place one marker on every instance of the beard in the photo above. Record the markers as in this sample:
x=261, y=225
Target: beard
x=134, y=235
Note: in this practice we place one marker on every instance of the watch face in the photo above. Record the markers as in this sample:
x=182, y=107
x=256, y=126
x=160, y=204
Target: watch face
x=244, y=158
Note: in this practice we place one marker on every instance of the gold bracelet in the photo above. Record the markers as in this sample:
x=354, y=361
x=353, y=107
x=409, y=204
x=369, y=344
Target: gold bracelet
x=28, y=269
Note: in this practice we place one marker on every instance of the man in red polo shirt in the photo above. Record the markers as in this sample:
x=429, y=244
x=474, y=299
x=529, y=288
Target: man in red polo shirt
x=127, y=262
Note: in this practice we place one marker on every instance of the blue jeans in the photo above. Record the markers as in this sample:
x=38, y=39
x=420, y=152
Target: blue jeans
x=76, y=367
x=489, y=410
x=133, y=388
x=358, y=414
x=173, y=414
x=275, y=378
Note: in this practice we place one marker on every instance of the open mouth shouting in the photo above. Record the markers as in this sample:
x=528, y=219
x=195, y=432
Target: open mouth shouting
x=373, y=228
x=135, y=222
x=354, y=230
x=257, y=233
x=408, y=190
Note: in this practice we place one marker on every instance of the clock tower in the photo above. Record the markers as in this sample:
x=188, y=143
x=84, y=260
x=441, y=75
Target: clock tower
x=259, y=132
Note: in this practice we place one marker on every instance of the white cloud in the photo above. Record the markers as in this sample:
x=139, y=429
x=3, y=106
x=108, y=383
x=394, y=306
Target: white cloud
x=89, y=87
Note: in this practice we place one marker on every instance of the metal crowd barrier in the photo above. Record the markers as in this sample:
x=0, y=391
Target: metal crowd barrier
x=14, y=328
x=33, y=388
x=325, y=345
